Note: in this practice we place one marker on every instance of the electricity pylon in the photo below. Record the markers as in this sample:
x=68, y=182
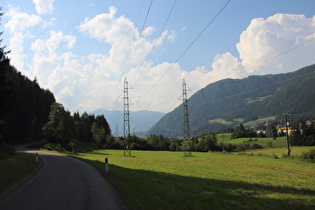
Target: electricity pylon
x=127, y=149
x=186, y=126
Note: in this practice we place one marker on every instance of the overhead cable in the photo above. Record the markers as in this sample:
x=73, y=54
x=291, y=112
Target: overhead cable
x=189, y=46
x=169, y=14
x=145, y=20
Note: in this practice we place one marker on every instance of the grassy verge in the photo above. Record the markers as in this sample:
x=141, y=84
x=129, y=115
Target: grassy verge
x=14, y=168
x=166, y=180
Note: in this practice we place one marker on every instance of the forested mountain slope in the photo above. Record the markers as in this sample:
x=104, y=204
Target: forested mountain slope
x=227, y=102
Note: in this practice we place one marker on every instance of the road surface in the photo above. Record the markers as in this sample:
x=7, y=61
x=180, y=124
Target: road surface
x=62, y=183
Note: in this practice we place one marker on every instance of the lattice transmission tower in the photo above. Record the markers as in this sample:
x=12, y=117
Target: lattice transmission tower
x=186, y=126
x=127, y=149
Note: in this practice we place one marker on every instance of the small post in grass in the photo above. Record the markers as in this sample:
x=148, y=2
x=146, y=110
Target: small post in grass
x=36, y=157
x=106, y=166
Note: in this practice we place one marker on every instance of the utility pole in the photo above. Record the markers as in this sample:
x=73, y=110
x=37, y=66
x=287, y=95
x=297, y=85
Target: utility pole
x=287, y=135
x=127, y=149
x=186, y=127
x=223, y=140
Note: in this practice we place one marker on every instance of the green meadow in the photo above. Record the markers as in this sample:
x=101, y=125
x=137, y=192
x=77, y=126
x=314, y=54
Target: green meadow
x=167, y=180
x=278, y=142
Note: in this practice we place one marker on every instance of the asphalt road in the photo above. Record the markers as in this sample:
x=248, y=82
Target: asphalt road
x=62, y=183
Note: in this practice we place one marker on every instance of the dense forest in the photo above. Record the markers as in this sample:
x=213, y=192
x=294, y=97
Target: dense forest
x=226, y=103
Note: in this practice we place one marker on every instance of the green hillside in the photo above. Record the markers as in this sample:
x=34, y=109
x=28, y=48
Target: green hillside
x=228, y=102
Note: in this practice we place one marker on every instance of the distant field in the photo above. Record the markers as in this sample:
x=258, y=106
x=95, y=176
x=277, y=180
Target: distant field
x=167, y=180
x=252, y=100
x=241, y=120
x=260, y=120
x=276, y=143
x=222, y=121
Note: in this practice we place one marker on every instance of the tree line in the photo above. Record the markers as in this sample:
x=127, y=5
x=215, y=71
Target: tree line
x=302, y=134
x=64, y=129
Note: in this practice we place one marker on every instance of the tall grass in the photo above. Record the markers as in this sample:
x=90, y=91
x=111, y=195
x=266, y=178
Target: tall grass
x=167, y=180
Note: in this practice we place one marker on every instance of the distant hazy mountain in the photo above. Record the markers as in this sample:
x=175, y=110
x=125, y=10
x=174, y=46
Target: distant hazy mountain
x=140, y=121
x=228, y=102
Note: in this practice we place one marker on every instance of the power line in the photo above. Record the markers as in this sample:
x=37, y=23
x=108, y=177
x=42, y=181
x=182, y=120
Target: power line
x=189, y=46
x=169, y=14
x=145, y=20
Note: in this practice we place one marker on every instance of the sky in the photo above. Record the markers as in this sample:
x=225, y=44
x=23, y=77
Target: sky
x=83, y=50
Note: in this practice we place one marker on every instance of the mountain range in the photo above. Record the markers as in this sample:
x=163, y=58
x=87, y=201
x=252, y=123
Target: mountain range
x=228, y=102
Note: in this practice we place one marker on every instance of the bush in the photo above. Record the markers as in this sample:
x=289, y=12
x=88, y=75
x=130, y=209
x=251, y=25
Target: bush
x=228, y=147
x=256, y=146
x=56, y=147
x=309, y=155
x=243, y=147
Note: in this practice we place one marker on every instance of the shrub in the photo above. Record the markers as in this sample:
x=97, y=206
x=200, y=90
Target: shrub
x=309, y=155
x=243, y=147
x=256, y=146
x=56, y=147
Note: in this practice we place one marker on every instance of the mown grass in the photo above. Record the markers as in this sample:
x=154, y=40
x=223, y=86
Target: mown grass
x=14, y=168
x=167, y=180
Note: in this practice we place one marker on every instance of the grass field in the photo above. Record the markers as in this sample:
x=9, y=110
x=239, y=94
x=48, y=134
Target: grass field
x=167, y=180
x=14, y=168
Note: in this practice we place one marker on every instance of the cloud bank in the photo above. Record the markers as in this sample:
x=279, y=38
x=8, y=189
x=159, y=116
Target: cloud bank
x=278, y=44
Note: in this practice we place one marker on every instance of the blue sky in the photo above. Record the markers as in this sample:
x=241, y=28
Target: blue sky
x=83, y=49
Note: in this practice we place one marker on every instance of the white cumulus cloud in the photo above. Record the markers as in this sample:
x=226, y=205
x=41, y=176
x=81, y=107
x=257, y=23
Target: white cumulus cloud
x=95, y=81
x=121, y=34
x=47, y=54
x=260, y=43
x=20, y=21
x=44, y=6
